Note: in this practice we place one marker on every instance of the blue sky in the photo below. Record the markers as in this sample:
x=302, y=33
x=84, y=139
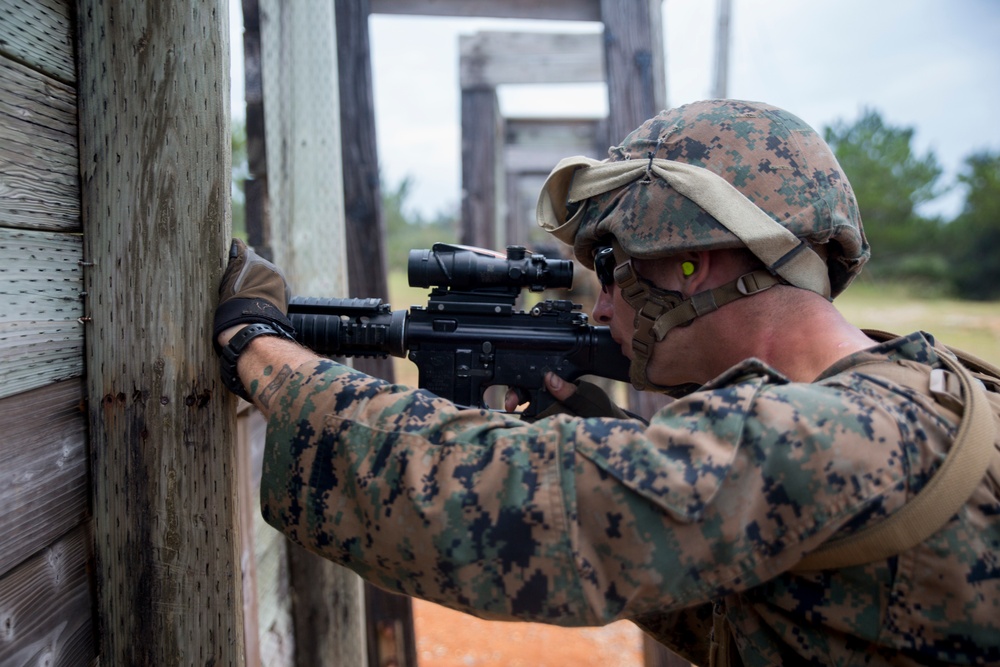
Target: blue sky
x=932, y=65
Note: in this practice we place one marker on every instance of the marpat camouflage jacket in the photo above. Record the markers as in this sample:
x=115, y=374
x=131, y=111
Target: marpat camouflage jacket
x=586, y=521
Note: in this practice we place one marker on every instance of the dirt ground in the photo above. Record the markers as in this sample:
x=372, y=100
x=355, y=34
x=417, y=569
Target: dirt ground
x=447, y=638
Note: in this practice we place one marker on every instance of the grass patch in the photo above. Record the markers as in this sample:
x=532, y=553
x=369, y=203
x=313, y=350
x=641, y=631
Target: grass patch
x=973, y=326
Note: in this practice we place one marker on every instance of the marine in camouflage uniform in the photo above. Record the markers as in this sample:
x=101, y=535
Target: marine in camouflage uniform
x=707, y=509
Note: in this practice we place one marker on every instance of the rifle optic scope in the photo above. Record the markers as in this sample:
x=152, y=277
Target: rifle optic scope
x=465, y=268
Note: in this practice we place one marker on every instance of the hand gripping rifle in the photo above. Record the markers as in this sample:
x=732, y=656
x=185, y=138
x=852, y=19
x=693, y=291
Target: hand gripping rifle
x=470, y=336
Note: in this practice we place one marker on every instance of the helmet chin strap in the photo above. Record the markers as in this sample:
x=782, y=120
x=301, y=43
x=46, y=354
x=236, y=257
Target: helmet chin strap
x=657, y=311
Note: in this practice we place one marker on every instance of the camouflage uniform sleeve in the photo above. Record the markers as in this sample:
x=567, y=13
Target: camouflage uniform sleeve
x=566, y=520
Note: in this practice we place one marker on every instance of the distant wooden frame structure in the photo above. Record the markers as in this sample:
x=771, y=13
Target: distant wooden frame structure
x=504, y=159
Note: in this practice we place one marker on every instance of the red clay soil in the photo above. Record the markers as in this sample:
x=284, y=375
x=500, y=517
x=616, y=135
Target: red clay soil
x=447, y=638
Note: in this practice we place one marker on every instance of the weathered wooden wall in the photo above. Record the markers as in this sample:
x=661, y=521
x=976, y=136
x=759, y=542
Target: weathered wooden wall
x=45, y=593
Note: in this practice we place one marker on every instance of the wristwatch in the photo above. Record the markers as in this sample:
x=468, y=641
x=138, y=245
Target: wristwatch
x=231, y=353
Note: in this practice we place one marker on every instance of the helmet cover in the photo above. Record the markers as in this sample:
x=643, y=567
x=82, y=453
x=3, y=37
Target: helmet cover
x=777, y=161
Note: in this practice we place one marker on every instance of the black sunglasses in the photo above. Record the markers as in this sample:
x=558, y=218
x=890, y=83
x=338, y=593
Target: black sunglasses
x=604, y=266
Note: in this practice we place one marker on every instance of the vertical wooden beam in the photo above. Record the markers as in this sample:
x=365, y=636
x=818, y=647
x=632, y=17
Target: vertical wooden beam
x=155, y=171
x=633, y=51
x=720, y=88
x=364, y=222
x=302, y=122
x=386, y=614
x=255, y=187
x=482, y=168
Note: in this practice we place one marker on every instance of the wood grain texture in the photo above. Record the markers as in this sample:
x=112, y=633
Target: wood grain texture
x=563, y=10
x=39, y=164
x=39, y=33
x=489, y=59
x=46, y=607
x=267, y=599
x=155, y=130
x=41, y=285
x=43, y=456
x=633, y=52
x=482, y=175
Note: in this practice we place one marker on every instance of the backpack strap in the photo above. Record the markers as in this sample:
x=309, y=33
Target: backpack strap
x=948, y=489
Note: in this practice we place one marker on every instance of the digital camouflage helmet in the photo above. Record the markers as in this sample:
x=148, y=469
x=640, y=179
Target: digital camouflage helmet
x=710, y=175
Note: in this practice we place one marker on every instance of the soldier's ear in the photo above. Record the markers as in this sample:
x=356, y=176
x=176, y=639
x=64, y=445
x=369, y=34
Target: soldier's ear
x=693, y=269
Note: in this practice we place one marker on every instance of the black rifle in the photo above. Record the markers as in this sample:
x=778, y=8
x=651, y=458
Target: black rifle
x=470, y=336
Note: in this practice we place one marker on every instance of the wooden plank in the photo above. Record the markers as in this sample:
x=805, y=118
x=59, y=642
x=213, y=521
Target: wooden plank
x=39, y=163
x=46, y=613
x=482, y=169
x=270, y=637
x=536, y=160
x=275, y=624
x=488, y=59
x=247, y=505
x=633, y=51
x=307, y=225
x=302, y=121
x=43, y=456
x=41, y=284
x=522, y=198
x=560, y=10
x=535, y=146
x=364, y=222
x=572, y=133
x=155, y=127
x=39, y=33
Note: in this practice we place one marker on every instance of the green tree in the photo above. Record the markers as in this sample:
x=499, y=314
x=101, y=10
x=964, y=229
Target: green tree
x=407, y=230
x=973, y=238
x=891, y=182
x=241, y=171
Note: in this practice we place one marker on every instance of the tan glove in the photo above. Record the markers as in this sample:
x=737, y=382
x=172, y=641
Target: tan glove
x=253, y=290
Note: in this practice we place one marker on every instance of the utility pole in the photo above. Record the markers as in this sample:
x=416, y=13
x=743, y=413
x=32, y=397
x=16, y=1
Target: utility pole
x=720, y=88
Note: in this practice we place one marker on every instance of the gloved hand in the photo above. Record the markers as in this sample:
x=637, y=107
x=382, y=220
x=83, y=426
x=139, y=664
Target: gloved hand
x=253, y=290
x=589, y=400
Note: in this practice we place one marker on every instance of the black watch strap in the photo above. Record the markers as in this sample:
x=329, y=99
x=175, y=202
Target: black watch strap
x=230, y=354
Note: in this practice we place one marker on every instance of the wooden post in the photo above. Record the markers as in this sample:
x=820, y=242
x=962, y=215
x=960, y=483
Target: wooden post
x=482, y=144
x=720, y=87
x=633, y=52
x=366, y=274
x=387, y=615
x=302, y=122
x=299, y=75
x=255, y=186
x=155, y=172
x=489, y=59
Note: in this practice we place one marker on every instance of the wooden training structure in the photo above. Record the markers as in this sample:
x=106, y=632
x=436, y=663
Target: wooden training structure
x=129, y=527
x=113, y=212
